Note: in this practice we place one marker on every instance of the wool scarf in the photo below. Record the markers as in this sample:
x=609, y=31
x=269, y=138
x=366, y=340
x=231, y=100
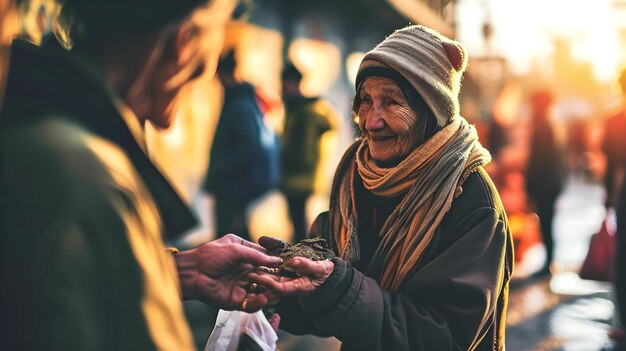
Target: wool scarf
x=428, y=178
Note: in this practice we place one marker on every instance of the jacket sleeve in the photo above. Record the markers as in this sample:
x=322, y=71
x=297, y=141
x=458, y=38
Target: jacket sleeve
x=71, y=278
x=448, y=304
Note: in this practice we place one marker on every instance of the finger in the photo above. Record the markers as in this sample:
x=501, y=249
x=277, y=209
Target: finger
x=282, y=286
x=253, y=245
x=255, y=303
x=234, y=239
x=255, y=288
x=268, y=270
x=254, y=257
x=313, y=269
x=274, y=321
x=271, y=243
x=270, y=296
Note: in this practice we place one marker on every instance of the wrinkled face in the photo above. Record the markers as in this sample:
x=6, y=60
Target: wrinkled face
x=386, y=120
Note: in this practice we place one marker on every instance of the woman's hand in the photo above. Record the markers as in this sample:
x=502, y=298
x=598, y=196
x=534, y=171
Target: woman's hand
x=312, y=275
x=216, y=273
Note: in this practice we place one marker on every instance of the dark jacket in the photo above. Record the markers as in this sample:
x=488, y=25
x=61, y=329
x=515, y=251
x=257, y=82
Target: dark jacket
x=82, y=217
x=544, y=171
x=244, y=157
x=614, y=148
x=455, y=300
x=620, y=260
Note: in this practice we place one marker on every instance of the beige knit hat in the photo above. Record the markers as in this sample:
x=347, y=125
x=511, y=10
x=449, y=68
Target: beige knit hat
x=432, y=63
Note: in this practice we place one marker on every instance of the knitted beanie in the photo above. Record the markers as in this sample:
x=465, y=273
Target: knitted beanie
x=432, y=63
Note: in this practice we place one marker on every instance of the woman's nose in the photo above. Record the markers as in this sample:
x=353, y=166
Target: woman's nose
x=374, y=120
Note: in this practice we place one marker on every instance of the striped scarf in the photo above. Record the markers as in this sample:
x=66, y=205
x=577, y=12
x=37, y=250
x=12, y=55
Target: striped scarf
x=428, y=178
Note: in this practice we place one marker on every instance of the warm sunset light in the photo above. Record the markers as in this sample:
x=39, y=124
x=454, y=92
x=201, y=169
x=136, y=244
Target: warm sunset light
x=524, y=32
x=192, y=175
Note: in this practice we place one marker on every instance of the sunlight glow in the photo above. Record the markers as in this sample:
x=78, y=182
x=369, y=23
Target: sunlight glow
x=524, y=31
x=319, y=63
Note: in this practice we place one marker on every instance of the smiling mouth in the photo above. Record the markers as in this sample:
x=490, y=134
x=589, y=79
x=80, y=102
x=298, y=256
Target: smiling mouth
x=381, y=137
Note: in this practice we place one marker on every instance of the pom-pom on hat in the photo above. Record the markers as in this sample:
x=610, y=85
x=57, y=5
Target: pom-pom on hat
x=432, y=63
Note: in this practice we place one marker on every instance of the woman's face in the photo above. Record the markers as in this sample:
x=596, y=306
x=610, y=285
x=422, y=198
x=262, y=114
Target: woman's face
x=386, y=120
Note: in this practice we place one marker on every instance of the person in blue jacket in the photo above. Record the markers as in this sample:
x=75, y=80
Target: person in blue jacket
x=244, y=155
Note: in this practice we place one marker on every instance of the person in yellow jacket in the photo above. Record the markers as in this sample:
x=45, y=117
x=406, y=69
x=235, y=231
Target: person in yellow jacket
x=311, y=125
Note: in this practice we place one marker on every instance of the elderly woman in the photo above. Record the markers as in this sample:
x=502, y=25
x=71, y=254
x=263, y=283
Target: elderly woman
x=424, y=247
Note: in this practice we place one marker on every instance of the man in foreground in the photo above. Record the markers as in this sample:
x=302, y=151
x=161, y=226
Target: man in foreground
x=84, y=211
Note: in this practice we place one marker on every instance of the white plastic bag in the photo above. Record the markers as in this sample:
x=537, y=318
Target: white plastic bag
x=230, y=326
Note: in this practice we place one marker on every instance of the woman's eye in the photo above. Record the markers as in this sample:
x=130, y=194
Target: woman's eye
x=390, y=102
x=366, y=100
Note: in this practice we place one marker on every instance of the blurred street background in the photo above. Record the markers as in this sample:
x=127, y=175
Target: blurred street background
x=570, y=50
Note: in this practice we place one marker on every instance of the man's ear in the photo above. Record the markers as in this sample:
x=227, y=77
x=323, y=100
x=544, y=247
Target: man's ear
x=185, y=43
x=170, y=52
x=182, y=55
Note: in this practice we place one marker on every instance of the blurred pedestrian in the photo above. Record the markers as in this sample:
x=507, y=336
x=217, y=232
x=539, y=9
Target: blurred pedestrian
x=544, y=171
x=84, y=211
x=244, y=157
x=307, y=120
x=619, y=334
x=614, y=148
x=425, y=252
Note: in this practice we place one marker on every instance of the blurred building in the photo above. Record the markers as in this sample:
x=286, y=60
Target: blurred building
x=337, y=30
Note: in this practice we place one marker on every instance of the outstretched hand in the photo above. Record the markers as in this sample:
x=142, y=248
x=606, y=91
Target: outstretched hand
x=312, y=273
x=217, y=273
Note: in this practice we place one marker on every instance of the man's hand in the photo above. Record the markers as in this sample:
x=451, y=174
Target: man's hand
x=216, y=273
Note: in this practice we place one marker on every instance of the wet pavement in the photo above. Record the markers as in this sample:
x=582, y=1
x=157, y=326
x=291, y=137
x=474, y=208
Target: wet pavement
x=562, y=311
x=559, y=313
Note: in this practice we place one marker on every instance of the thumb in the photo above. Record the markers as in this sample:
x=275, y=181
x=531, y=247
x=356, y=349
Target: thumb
x=272, y=243
x=313, y=269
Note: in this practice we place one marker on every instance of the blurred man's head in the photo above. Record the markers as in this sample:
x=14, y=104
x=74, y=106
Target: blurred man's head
x=148, y=49
x=291, y=78
x=226, y=68
x=541, y=101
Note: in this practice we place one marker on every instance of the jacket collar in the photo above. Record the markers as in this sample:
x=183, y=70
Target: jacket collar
x=67, y=86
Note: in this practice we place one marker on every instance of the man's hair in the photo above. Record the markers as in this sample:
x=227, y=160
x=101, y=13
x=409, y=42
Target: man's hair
x=94, y=24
